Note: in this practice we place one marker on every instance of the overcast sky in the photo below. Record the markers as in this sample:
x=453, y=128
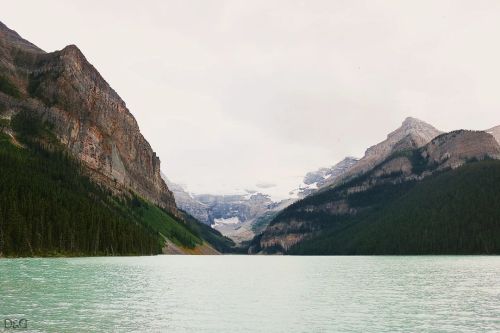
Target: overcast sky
x=237, y=95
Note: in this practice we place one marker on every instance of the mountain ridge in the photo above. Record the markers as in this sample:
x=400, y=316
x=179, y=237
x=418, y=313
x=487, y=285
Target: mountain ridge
x=87, y=116
x=237, y=216
x=447, y=151
x=413, y=133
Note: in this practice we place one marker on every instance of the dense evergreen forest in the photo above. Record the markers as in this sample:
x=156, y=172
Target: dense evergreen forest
x=453, y=212
x=49, y=207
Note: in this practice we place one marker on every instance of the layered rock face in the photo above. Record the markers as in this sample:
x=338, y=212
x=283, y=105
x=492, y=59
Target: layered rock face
x=453, y=149
x=85, y=114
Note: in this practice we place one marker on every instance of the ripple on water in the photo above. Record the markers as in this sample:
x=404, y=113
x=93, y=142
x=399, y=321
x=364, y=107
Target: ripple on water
x=253, y=294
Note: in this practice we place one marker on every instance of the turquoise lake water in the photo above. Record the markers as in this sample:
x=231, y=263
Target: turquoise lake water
x=252, y=294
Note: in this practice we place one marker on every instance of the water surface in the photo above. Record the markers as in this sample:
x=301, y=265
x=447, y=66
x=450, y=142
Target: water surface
x=253, y=294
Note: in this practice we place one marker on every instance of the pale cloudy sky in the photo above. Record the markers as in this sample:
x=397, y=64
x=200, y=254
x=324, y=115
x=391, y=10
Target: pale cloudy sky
x=238, y=95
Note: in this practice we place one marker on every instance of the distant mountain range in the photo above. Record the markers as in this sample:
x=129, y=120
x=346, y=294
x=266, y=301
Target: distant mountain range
x=242, y=216
x=238, y=216
x=412, y=152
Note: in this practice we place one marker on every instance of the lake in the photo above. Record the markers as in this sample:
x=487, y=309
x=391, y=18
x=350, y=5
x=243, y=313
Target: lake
x=253, y=294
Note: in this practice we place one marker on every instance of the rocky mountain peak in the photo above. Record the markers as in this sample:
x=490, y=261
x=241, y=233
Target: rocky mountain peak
x=412, y=130
x=411, y=121
x=413, y=133
x=73, y=51
x=416, y=127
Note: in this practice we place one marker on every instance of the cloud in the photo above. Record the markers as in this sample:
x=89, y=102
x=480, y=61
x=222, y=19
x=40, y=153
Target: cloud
x=265, y=185
x=231, y=92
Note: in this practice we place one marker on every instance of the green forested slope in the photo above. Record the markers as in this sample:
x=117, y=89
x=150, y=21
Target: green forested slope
x=210, y=235
x=49, y=207
x=454, y=212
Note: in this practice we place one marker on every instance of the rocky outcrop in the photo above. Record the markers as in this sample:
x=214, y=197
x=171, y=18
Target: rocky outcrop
x=85, y=114
x=495, y=131
x=400, y=165
x=454, y=149
x=284, y=242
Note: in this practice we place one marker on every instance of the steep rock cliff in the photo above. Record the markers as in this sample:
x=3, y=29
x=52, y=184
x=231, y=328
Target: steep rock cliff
x=85, y=114
x=451, y=150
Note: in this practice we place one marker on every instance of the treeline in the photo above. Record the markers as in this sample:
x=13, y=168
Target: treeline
x=454, y=212
x=47, y=208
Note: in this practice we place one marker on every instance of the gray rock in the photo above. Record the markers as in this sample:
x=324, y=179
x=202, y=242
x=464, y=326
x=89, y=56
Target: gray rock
x=85, y=114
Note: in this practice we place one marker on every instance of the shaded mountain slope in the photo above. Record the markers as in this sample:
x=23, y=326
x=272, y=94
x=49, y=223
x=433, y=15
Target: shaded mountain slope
x=390, y=179
x=454, y=212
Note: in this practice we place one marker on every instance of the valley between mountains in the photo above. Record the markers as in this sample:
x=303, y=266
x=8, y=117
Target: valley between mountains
x=77, y=178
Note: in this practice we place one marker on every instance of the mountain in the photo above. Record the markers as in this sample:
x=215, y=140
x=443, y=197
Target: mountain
x=454, y=212
x=239, y=217
x=246, y=216
x=317, y=179
x=413, y=133
x=187, y=203
x=77, y=177
x=234, y=215
x=359, y=199
x=85, y=113
x=238, y=207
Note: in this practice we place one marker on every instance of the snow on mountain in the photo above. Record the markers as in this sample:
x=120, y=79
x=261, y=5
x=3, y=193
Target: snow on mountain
x=317, y=179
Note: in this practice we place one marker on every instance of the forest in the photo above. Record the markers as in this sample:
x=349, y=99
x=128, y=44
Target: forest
x=48, y=206
x=453, y=212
